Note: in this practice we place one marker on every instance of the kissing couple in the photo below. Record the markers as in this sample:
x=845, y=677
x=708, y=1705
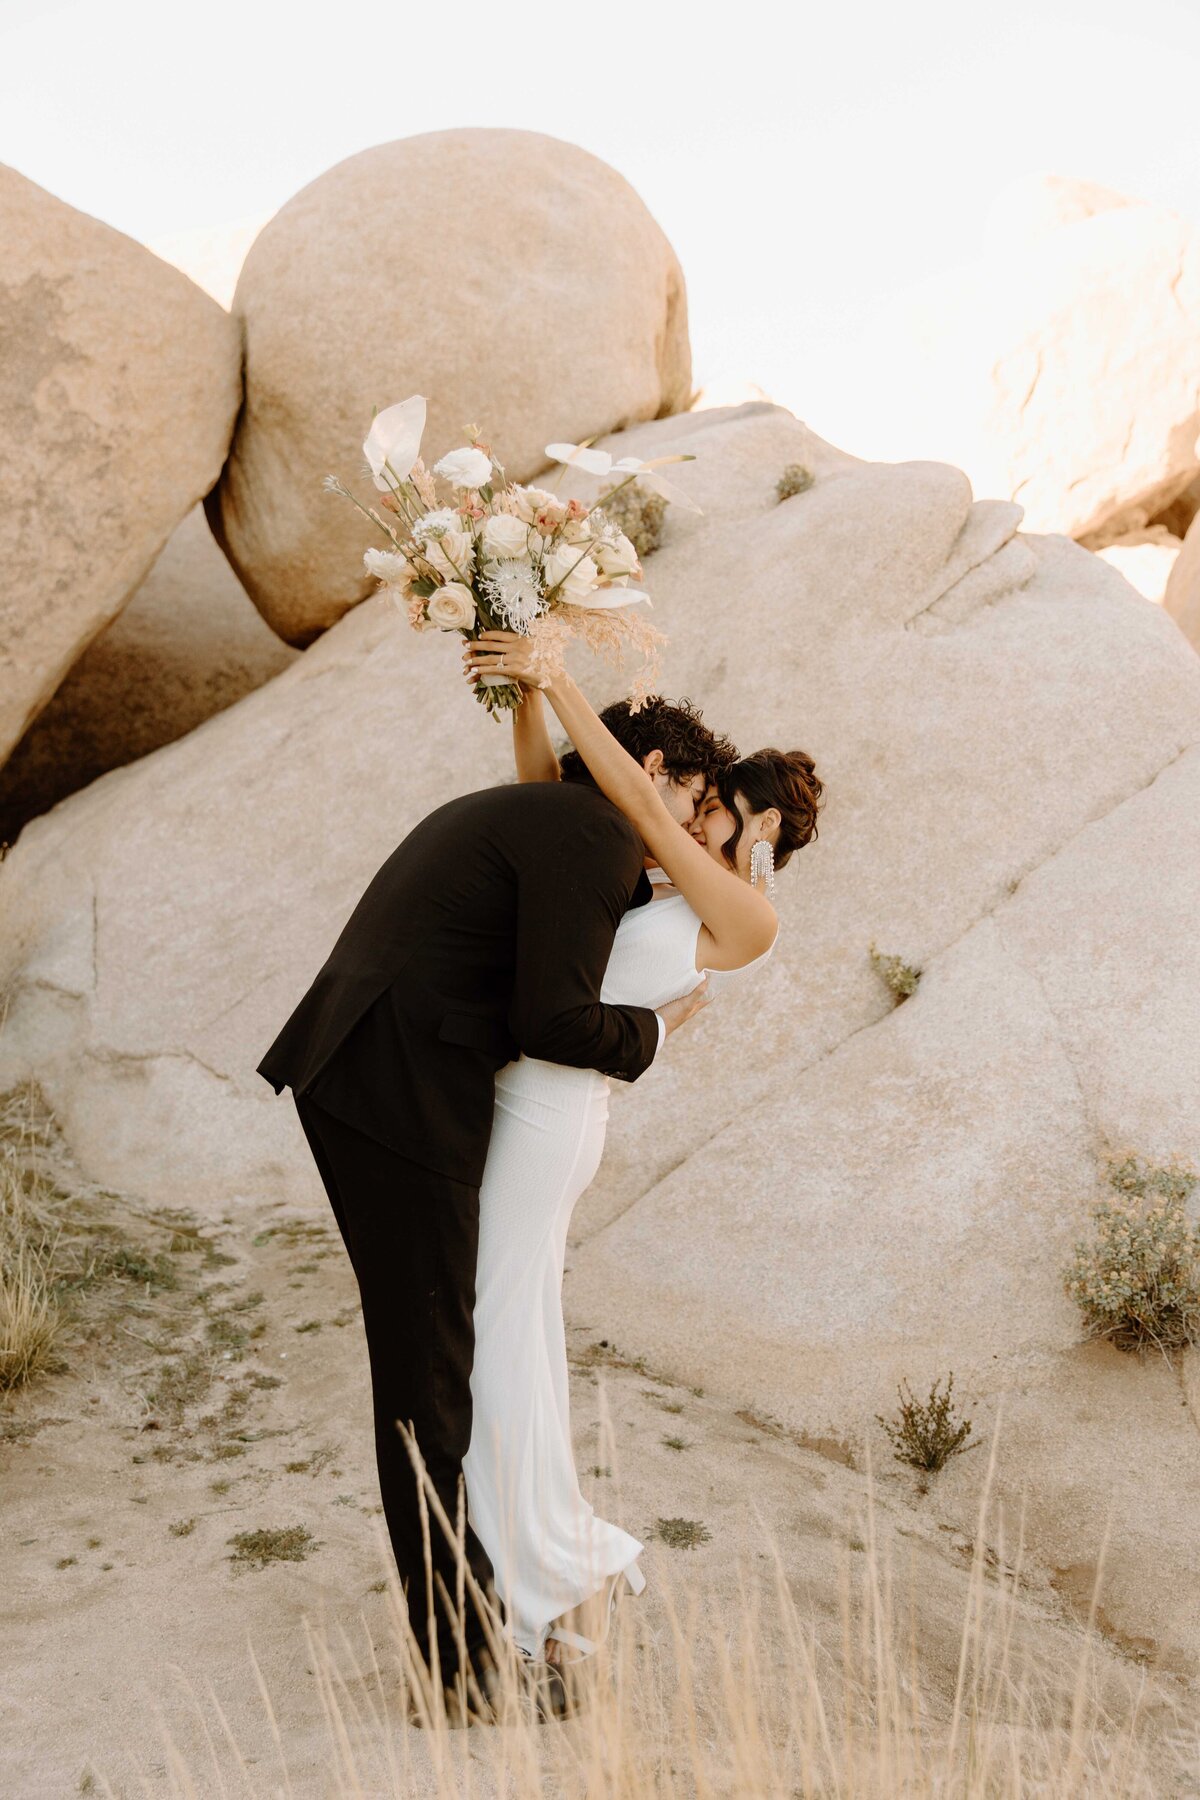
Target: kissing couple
x=450, y=1065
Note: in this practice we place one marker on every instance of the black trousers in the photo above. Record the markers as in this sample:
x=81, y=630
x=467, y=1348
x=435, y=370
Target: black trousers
x=413, y=1238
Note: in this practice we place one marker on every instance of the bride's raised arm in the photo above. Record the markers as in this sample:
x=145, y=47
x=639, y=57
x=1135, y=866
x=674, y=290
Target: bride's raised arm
x=741, y=921
x=533, y=752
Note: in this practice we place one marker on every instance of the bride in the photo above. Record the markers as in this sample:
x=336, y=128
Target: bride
x=558, y=1565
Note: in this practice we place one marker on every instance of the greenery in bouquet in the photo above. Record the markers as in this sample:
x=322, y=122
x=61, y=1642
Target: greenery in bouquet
x=502, y=555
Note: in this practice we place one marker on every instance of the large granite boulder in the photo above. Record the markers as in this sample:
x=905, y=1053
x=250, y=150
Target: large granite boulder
x=119, y=383
x=186, y=645
x=1060, y=370
x=814, y=1193
x=1145, y=558
x=513, y=279
x=1182, y=596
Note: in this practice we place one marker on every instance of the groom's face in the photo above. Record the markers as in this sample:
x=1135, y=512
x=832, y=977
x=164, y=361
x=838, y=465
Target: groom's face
x=681, y=795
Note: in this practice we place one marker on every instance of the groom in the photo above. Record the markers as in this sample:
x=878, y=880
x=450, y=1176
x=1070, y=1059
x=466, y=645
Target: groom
x=484, y=934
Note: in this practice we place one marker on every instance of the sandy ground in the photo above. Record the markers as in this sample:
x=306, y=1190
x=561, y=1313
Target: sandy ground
x=127, y=1618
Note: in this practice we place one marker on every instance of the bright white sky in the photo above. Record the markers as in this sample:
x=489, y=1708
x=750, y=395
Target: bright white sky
x=804, y=160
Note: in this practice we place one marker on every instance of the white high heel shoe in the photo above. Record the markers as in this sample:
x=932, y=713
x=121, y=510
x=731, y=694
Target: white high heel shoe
x=588, y=1646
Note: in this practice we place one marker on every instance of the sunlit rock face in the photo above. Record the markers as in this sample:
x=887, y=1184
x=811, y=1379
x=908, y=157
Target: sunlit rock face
x=515, y=280
x=1145, y=558
x=1007, y=734
x=813, y=1193
x=188, y=643
x=1182, y=597
x=1061, y=370
x=119, y=385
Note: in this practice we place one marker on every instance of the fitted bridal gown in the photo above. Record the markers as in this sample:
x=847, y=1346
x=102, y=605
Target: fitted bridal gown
x=549, y=1550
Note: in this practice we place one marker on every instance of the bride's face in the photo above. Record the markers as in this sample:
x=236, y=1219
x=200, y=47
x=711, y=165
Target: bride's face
x=714, y=825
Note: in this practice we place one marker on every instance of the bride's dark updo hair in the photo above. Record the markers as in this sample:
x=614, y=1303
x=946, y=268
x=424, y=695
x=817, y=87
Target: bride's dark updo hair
x=783, y=778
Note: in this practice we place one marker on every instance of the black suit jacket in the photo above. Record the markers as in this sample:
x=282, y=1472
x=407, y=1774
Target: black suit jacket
x=485, y=933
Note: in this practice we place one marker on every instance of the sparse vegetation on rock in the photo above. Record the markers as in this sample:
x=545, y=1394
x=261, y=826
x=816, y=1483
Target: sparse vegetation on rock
x=797, y=478
x=926, y=1434
x=1137, y=1279
x=900, y=976
x=637, y=512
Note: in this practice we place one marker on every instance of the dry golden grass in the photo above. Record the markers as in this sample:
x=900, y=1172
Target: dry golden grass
x=72, y=1270
x=31, y=1319
x=714, y=1707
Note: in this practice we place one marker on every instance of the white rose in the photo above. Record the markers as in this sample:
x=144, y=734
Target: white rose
x=452, y=607
x=577, y=574
x=505, y=536
x=389, y=566
x=618, y=557
x=452, y=554
x=532, y=500
x=465, y=468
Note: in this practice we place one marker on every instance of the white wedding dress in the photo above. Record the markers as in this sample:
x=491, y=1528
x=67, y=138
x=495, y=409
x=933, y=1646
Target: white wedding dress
x=549, y=1550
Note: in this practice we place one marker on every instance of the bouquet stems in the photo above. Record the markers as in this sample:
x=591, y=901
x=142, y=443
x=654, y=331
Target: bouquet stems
x=493, y=691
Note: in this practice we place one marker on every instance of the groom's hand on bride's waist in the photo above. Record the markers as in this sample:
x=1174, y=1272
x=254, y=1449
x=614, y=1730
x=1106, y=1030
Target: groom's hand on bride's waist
x=677, y=1012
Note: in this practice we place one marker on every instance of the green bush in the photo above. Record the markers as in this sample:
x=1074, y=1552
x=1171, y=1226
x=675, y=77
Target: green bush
x=1137, y=1280
x=796, y=479
x=638, y=513
x=900, y=976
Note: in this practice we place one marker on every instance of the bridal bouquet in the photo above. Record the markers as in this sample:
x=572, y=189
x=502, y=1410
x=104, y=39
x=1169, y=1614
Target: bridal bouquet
x=502, y=556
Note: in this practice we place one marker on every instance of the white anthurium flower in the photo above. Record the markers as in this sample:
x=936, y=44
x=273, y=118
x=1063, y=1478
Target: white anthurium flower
x=608, y=599
x=468, y=467
x=646, y=471
x=596, y=462
x=600, y=462
x=394, y=441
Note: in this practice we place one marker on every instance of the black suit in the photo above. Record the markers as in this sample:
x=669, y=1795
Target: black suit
x=485, y=933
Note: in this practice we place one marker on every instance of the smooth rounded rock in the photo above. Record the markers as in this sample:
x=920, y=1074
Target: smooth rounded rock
x=119, y=384
x=1182, y=597
x=1060, y=370
x=186, y=645
x=516, y=281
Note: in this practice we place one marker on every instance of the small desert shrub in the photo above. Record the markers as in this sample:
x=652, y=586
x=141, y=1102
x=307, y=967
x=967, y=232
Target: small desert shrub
x=291, y=1543
x=926, y=1435
x=638, y=513
x=127, y=1263
x=796, y=479
x=180, y=1384
x=899, y=976
x=1137, y=1280
x=682, y=1534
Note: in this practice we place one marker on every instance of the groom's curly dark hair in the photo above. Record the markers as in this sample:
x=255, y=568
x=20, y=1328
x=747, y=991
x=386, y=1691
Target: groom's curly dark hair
x=673, y=726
